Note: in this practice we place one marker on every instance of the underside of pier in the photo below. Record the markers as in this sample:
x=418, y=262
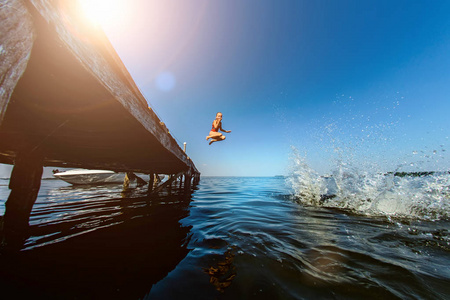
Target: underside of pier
x=71, y=100
x=67, y=100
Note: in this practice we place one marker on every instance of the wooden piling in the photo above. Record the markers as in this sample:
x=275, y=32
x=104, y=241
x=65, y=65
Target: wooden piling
x=130, y=176
x=126, y=181
x=151, y=182
x=181, y=181
x=187, y=180
x=24, y=183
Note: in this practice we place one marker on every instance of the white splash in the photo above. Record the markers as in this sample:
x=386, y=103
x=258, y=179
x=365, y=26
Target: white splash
x=372, y=193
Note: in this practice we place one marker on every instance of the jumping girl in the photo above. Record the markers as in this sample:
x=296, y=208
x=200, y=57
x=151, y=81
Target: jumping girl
x=214, y=134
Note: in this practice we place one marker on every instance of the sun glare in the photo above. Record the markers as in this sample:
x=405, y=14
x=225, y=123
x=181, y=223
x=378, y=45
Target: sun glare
x=106, y=13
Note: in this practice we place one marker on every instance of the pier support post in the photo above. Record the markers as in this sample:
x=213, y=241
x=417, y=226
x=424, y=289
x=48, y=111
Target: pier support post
x=187, y=180
x=24, y=183
x=129, y=176
x=196, y=178
x=151, y=182
x=170, y=181
x=126, y=181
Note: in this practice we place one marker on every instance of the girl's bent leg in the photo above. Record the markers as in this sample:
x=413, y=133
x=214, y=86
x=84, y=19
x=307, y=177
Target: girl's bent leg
x=217, y=139
x=213, y=135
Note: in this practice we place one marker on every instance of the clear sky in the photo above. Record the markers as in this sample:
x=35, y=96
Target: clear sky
x=362, y=79
x=367, y=81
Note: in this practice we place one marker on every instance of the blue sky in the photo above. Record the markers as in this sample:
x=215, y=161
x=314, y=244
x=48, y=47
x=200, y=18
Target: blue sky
x=364, y=81
x=368, y=81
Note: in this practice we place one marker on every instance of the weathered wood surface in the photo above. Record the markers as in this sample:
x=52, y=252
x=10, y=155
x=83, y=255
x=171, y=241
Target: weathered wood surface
x=16, y=40
x=65, y=94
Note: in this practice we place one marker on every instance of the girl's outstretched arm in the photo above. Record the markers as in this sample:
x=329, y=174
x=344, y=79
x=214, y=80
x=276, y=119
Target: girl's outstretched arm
x=221, y=129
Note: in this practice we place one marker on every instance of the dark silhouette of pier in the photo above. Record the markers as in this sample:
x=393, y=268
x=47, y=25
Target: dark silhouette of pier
x=67, y=100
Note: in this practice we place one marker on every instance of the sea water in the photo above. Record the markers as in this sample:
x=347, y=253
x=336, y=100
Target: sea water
x=344, y=236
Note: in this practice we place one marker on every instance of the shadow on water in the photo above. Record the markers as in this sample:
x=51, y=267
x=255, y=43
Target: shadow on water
x=90, y=243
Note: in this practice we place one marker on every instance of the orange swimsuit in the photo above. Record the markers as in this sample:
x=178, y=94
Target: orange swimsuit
x=214, y=129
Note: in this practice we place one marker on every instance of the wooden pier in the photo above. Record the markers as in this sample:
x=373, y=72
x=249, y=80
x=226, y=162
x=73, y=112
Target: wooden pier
x=67, y=100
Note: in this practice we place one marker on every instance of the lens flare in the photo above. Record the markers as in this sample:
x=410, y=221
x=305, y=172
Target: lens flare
x=165, y=81
x=106, y=13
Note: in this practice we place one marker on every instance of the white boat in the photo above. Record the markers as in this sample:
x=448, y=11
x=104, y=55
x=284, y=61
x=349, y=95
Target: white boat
x=82, y=176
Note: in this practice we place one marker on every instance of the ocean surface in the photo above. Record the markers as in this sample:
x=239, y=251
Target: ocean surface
x=296, y=237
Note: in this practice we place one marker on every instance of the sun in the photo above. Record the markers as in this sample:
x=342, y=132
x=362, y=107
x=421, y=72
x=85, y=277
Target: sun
x=106, y=13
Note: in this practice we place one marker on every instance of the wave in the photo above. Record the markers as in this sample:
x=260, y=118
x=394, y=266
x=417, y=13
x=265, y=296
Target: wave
x=418, y=196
